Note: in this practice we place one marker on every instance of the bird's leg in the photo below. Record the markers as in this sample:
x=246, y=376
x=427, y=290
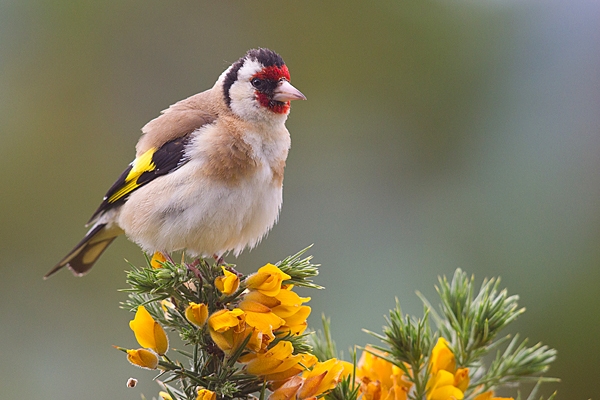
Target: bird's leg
x=168, y=257
x=218, y=259
x=230, y=267
x=195, y=271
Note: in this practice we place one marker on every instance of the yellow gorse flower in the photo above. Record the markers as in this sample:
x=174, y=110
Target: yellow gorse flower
x=261, y=317
x=288, y=390
x=228, y=283
x=446, y=382
x=323, y=377
x=148, y=332
x=197, y=314
x=165, y=396
x=157, y=259
x=288, y=302
x=442, y=357
x=267, y=309
x=143, y=358
x=290, y=308
x=380, y=379
x=228, y=329
x=277, y=359
x=296, y=324
x=205, y=394
x=267, y=280
x=441, y=387
x=304, y=361
x=224, y=320
x=461, y=379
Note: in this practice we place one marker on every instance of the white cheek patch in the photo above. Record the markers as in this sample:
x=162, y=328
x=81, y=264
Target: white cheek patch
x=242, y=93
x=248, y=70
x=243, y=99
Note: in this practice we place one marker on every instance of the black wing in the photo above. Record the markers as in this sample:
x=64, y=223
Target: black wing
x=144, y=169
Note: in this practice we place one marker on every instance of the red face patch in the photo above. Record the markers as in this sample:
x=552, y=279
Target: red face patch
x=278, y=107
x=275, y=74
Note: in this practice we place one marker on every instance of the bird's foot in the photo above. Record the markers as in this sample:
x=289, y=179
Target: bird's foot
x=219, y=259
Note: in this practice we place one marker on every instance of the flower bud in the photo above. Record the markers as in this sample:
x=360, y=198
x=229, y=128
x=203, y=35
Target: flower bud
x=143, y=358
x=197, y=314
x=157, y=259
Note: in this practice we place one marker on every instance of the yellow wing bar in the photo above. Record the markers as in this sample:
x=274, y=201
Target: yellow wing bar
x=143, y=163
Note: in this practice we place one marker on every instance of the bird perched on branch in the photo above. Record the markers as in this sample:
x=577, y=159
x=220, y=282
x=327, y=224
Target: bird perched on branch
x=208, y=172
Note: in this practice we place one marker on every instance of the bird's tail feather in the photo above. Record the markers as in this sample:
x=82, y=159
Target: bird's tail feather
x=86, y=253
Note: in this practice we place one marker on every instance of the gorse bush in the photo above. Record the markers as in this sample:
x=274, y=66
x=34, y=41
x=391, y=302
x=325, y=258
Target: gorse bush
x=246, y=337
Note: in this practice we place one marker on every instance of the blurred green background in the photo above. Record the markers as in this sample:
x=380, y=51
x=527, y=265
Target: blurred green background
x=437, y=135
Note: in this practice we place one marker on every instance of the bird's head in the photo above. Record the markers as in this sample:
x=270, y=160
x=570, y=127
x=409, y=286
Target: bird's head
x=257, y=86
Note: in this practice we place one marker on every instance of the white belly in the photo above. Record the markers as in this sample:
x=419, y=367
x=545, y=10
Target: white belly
x=183, y=210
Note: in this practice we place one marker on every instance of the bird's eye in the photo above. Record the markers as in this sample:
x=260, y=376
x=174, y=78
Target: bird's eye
x=257, y=83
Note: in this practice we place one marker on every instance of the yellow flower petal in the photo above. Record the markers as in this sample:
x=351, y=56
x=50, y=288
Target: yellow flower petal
x=205, y=394
x=254, y=306
x=484, y=396
x=197, y=314
x=263, y=299
x=264, y=322
x=348, y=368
x=441, y=387
x=323, y=377
x=267, y=280
x=228, y=283
x=148, y=332
x=157, y=259
x=290, y=302
x=288, y=390
x=305, y=361
x=375, y=368
x=227, y=328
x=442, y=357
x=296, y=323
x=223, y=340
x=257, y=342
x=260, y=317
x=263, y=366
x=143, y=358
x=461, y=379
x=289, y=298
x=380, y=379
x=165, y=395
x=224, y=320
x=275, y=360
x=446, y=392
x=311, y=386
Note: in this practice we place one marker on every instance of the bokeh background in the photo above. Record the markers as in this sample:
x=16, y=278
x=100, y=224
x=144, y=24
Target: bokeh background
x=437, y=135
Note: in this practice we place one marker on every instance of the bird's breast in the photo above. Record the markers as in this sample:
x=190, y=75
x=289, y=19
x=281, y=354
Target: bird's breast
x=231, y=154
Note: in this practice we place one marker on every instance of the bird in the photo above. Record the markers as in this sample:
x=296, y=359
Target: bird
x=207, y=177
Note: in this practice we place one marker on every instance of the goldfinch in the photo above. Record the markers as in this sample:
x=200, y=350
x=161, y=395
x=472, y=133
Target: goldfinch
x=208, y=173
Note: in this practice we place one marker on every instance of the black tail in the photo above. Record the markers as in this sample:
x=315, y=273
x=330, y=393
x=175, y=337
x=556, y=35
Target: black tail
x=87, y=252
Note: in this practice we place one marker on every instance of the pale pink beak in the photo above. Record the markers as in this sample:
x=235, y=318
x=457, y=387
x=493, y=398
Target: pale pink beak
x=286, y=92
